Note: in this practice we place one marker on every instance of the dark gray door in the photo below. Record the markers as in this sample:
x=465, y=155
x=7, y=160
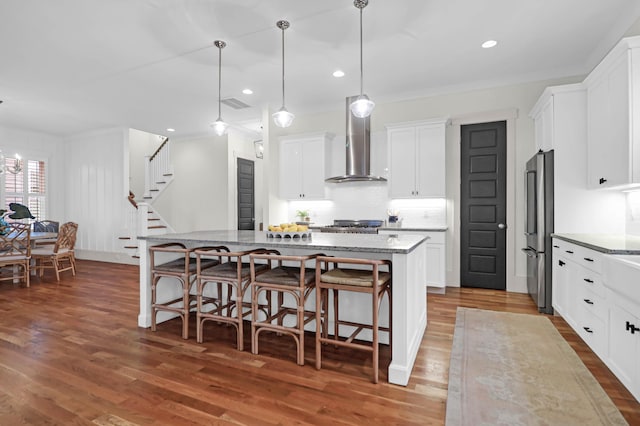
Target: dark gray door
x=246, y=195
x=483, y=212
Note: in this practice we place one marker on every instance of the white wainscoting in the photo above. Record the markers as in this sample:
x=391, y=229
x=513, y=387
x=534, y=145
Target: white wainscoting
x=96, y=191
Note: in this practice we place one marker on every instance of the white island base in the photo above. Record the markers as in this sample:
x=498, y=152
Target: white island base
x=407, y=253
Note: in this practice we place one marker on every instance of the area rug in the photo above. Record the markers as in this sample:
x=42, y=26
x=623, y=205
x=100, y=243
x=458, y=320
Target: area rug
x=516, y=369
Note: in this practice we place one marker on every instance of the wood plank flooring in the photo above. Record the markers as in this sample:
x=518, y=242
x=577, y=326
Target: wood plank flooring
x=72, y=354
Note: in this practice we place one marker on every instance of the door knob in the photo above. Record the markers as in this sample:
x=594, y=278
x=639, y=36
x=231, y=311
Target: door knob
x=502, y=226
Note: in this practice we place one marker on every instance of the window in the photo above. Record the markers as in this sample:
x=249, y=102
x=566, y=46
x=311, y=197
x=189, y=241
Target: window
x=28, y=187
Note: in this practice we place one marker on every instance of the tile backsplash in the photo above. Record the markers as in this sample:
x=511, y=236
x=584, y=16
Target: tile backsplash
x=370, y=200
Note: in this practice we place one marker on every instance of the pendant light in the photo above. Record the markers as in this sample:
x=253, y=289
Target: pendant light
x=363, y=106
x=219, y=126
x=283, y=118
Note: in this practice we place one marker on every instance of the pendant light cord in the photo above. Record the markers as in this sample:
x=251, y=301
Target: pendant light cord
x=219, y=81
x=283, y=67
x=361, y=67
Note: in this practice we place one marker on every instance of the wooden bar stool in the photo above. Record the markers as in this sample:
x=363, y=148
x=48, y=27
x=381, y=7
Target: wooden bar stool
x=231, y=279
x=296, y=281
x=372, y=281
x=181, y=270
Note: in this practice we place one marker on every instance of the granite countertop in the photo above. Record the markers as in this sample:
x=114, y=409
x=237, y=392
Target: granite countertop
x=414, y=228
x=364, y=243
x=604, y=243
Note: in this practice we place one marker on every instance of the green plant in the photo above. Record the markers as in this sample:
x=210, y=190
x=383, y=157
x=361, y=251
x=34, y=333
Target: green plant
x=302, y=213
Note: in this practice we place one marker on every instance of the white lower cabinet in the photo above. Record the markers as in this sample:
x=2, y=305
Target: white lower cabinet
x=578, y=293
x=600, y=308
x=622, y=279
x=624, y=354
x=435, y=258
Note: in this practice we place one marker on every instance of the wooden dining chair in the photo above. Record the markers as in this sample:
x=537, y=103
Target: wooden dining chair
x=221, y=289
x=342, y=276
x=297, y=283
x=59, y=256
x=50, y=226
x=178, y=276
x=15, y=251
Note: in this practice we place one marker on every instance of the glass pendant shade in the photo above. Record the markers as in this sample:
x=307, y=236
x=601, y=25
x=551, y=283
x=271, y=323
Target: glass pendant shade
x=362, y=107
x=220, y=127
x=283, y=118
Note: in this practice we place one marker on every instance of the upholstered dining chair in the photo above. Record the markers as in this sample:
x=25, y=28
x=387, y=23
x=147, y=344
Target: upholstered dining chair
x=51, y=226
x=46, y=226
x=59, y=256
x=15, y=251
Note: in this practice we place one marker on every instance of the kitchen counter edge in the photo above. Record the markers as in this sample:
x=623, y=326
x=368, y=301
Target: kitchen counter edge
x=409, y=228
x=331, y=241
x=604, y=243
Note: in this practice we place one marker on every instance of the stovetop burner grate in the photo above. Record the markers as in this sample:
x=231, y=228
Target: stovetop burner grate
x=354, y=226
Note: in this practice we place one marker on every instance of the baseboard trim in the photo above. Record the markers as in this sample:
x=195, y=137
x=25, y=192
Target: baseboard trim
x=106, y=256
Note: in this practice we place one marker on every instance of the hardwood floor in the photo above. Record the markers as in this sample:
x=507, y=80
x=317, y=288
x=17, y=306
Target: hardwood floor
x=71, y=353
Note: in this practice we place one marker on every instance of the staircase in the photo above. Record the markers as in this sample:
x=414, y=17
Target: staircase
x=158, y=171
x=142, y=219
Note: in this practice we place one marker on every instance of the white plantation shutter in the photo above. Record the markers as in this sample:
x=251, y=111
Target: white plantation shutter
x=27, y=187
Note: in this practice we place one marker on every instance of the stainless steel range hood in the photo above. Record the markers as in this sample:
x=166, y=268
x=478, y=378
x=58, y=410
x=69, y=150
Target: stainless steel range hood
x=358, y=144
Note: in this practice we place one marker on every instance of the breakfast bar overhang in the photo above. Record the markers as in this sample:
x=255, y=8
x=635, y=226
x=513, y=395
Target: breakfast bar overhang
x=407, y=253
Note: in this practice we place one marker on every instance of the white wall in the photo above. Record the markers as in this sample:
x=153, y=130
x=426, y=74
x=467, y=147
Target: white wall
x=42, y=147
x=96, y=192
x=464, y=107
x=197, y=198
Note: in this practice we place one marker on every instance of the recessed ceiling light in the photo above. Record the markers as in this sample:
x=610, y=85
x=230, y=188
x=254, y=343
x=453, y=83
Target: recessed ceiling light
x=247, y=92
x=338, y=73
x=489, y=44
x=171, y=130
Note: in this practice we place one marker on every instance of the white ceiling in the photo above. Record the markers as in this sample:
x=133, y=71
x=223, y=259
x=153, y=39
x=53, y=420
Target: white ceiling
x=71, y=66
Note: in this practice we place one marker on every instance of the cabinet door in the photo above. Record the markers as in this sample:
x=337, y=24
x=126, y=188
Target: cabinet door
x=402, y=162
x=430, y=154
x=435, y=265
x=290, y=170
x=544, y=127
x=561, y=282
x=624, y=352
x=609, y=133
x=312, y=170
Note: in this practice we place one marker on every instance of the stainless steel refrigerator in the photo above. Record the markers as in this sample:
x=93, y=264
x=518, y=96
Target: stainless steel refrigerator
x=538, y=228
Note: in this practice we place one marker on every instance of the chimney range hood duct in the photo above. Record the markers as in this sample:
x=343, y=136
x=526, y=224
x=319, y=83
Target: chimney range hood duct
x=358, y=144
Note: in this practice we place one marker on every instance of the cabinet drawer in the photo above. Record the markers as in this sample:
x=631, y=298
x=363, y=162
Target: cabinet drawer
x=592, y=282
x=593, y=332
x=590, y=259
x=565, y=249
x=593, y=304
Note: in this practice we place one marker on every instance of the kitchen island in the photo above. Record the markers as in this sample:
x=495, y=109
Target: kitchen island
x=407, y=252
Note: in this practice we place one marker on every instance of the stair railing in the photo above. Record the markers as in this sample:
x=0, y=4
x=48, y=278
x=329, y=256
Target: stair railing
x=157, y=167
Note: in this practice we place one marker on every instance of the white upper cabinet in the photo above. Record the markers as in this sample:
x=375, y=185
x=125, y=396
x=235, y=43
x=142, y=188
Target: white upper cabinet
x=560, y=118
x=417, y=159
x=302, y=166
x=543, y=119
x=613, y=103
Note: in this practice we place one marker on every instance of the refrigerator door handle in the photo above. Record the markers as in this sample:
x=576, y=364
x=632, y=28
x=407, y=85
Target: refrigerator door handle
x=529, y=252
